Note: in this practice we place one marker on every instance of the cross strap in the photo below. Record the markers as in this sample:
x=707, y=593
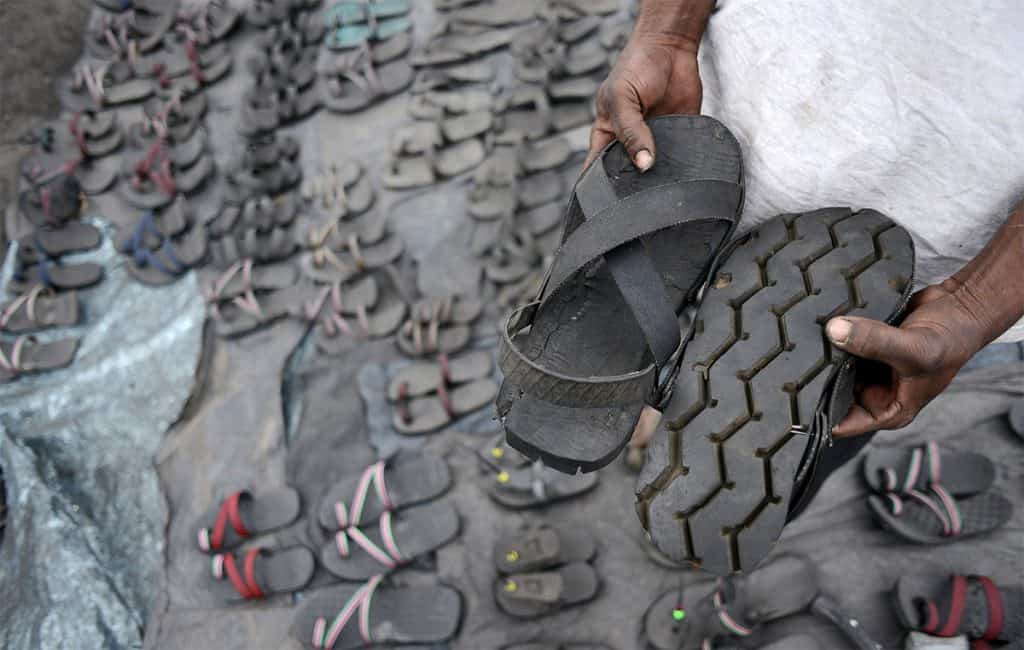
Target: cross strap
x=224, y=565
x=213, y=539
x=390, y=556
x=372, y=477
x=325, y=636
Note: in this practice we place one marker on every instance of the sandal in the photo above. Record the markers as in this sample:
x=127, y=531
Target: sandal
x=357, y=83
x=248, y=312
x=532, y=595
x=72, y=237
x=419, y=415
x=50, y=273
x=242, y=277
x=361, y=500
x=781, y=443
x=243, y=515
x=936, y=517
x=974, y=606
x=25, y=356
x=327, y=266
x=360, y=554
x=260, y=573
x=576, y=411
x=174, y=257
x=102, y=87
x=37, y=309
x=536, y=485
x=423, y=378
x=902, y=470
x=350, y=617
x=543, y=547
x=439, y=326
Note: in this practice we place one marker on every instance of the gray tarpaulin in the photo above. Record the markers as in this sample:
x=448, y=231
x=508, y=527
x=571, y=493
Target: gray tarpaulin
x=81, y=560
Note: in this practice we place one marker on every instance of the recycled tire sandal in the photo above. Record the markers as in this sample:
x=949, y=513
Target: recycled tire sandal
x=328, y=266
x=952, y=605
x=744, y=438
x=38, y=309
x=336, y=334
x=419, y=415
x=423, y=378
x=248, y=312
x=170, y=261
x=72, y=237
x=374, y=616
x=603, y=339
x=541, y=548
x=535, y=486
x=937, y=517
x=260, y=573
x=243, y=276
x=25, y=355
x=243, y=515
x=361, y=553
x=98, y=88
x=900, y=470
x=497, y=455
x=50, y=273
x=359, y=84
x=360, y=500
x=532, y=595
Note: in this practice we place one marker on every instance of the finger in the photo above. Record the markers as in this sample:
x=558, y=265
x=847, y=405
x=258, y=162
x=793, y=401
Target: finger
x=600, y=138
x=626, y=114
x=905, y=350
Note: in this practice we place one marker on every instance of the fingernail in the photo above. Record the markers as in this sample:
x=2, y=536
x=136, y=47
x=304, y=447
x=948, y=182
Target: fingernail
x=643, y=160
x=838, y=330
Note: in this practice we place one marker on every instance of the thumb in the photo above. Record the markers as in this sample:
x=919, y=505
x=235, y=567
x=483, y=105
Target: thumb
x=630, y=129
x=907, y=351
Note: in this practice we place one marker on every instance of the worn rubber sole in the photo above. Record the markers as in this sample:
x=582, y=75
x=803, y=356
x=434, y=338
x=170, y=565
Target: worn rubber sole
x=716, y=487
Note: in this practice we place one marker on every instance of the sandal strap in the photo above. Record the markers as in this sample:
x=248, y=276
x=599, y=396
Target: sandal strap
x=372, y=477
x=390, y=556
x=213, y=539
x=224, y=564
x=27, y=301
x=940, y=503
x=325, y=636
x=727, y=620
x=924, y=468
x=12, y=364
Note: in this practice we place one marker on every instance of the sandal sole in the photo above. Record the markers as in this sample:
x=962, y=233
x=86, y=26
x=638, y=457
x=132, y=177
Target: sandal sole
x=716, y=488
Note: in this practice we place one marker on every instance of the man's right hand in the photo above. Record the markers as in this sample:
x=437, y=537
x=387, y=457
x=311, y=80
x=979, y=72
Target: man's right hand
x=656, y=74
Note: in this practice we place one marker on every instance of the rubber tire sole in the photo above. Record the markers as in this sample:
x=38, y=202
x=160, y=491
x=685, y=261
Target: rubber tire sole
x=716, y=486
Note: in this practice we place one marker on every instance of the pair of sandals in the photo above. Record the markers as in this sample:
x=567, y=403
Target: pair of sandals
x=364, y=77
x=440, y=325
x=931, y=495
x=247, y=297
x=340, y=252
x=342, y=191
x=514, y=481
x=974, y=606
x=428, y=396
x=544, y=570
x=350, y=312
x=729, y=612
x=386, y=518
x=747, y=401
x=257, y=572
x=163, y=247
x=424, y=153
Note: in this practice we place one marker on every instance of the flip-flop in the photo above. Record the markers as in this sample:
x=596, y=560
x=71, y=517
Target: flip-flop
x=951, y=605
x=756, y=463
x=94, y=134
x=498, y=456
x=419, y=415
x=25, y=356
x=435, y=104
x=356, y=13
x=54, y=275
x=248, y=312
x=242, y=515
x=51, y=203
x=361, y=553
x=473, y=72
x=170, y=261
x=355, y=88
x=351, y=617
x=937, y=517
x=260, y=573
x=97, y=89
x=243, y=276
x=39, y=309
x=532, y=595
x=535, y=485
x=381, y=487
x=583, y=359
x=327, y=266
x=71, y=237
x=335, y=334
x=423, y=378
x=902, y=469
x=541, y=548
